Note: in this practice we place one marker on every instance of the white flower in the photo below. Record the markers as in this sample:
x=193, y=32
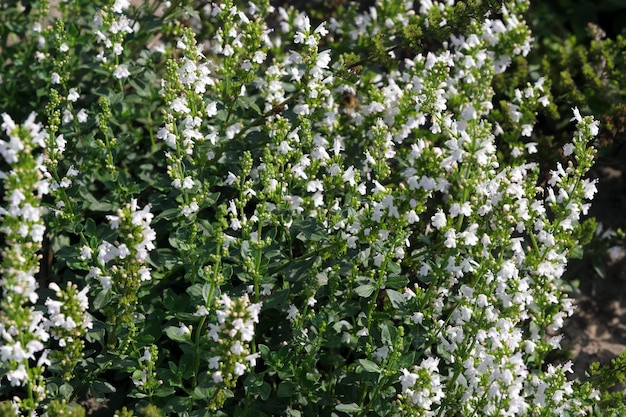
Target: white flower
x=363, y=332
x=235, y=224
x=381, y=353
x=299, y=37
x=82, y=116
x=321, y=29
x=407, y=379
x=214, y=362
x=214, y=332
x=36, y=232
x=179, y=105
x=120, y=5
x=105, y=282
x=616, y=253
x=201, y=311
x=531, y=147
x=18, y=377
x=259, y=57
x=118, y=49
x=237, y=348
x=123, y=251
x=323, y=59
x=594, y=128
x=67, y=116
x=589, y=188
x=72, y=95
x=121, y=71
x=450, y=236
x=231, y=179
x=217, y=377
x=457, y=209
x=211, y=109
x=187, y=183
x=292, y=313
x=182, y=330
x=144, y=273
x=438, y=219
x=240, y=369
x=188, y=210
x=252, y=359
x=577, y=115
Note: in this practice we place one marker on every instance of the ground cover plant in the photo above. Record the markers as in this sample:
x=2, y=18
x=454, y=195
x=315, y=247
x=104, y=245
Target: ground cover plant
x=234, y=209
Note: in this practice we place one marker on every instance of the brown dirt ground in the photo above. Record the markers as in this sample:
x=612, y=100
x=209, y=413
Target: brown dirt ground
x=597, y=330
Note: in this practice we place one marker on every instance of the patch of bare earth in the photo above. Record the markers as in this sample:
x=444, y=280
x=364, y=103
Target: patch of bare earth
x=597, y=330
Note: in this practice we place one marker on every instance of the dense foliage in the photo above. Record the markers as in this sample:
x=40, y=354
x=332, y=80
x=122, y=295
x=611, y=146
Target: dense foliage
x=231, y=209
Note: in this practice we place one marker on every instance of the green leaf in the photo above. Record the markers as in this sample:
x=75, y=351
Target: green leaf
x=406, y=360
x=168, y=214
x=396, y=282
x=66, y=390
x=102, y=387
x=205, y=226
x=202, y=393
x=195, y=291
x=286, y=389
x=90, y=227
x=52, y=389
x=293, y=413
x=164, y=258
x=388, y=334
x=342, y=324
x=264, y=350
x=102, y=299
x=174, y=333
x=277, y=300
x=348, y=408
x=202, y=413
x=256, y=108
x=365, y=290
x=300, y=269
x=576, y=252
x=309, y=229
x=263, y=391
x=93, y=203
x=369, y=366
x=393, y=268
x=151, y=328
x=139, y=86
x=173, y=301
x=397, y=299
x=176, y=405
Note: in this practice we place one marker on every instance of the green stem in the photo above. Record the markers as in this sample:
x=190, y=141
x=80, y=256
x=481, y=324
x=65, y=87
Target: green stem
x=196, y=364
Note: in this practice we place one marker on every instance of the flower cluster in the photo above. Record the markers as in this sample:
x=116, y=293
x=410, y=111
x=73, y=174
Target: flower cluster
x=422, y=385
x=188, y=78
x=111, y=27
x=121, y=267
x=22, y=328
x=68, y=321
x=233, y=334
x=145, y=378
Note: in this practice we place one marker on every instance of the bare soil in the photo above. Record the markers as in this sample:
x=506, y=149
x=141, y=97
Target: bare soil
x=597, y=330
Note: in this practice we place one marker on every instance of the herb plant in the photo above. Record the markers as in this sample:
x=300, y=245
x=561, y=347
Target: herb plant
x=228, y=209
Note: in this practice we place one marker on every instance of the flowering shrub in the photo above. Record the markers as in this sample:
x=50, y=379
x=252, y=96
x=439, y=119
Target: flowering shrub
x=238, y=211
